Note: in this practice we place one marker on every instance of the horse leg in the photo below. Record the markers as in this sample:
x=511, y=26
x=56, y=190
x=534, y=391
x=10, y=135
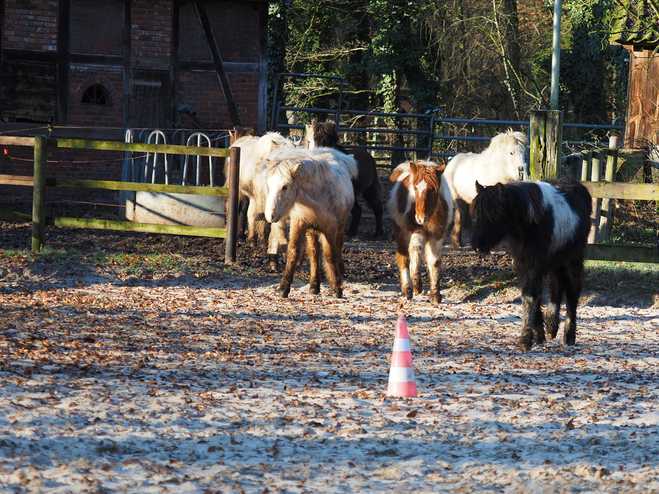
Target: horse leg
x=532, y=321
x=434, y=262
x=334, y=263
x=313, y=252
x=243, y=205
x=461, y=214
x=276, y=239
x=573, y=286
x=374, y=201
x=416, y=248
x=403, y=260
x=556, y=283
x=356, y=218
x=251, y=223
x=293, y=257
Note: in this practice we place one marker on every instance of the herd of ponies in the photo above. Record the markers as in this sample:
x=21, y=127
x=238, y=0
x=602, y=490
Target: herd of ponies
x=300, y=198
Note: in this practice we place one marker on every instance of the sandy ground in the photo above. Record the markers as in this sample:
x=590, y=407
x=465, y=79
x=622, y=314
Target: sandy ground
x=217, y=385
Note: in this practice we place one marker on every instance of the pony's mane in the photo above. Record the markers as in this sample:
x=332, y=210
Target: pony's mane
x=269, y=141
x=425, y=170
x=297, y=162
x=521, y=202
x=508, y=139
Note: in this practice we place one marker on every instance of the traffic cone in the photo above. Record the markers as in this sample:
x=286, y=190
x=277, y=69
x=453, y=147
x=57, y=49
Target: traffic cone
x=401, y=375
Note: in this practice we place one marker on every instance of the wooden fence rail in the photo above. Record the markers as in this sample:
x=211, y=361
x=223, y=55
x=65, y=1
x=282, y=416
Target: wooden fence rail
x=40, y=181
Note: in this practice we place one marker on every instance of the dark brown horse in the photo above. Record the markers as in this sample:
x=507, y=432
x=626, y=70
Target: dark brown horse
x=367, y=183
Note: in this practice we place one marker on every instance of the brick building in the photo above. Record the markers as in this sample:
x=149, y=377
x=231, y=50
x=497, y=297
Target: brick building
x=92, y=68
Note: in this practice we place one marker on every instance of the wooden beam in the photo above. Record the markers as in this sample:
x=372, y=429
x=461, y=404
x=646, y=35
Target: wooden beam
x=63, y=62
x=174, y=69
x=626, y=253
x=128, y=226
x=618, y=190
x=219, y=65
x=126, y=51
x=137, y=186
x=137, y=147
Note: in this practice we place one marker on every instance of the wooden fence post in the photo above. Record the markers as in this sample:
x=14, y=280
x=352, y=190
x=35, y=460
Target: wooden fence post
x=546, y=144
x=595, y=176
x=39, y=193
x=232, y=206
x=585, y=165
x=607, y=204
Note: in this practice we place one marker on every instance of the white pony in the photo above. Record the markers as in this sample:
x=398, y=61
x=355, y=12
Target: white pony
x=502, y=161
x=252, y=184
x=313, y=189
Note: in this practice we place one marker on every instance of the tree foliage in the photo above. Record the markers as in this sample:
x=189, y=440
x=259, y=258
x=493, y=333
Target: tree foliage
x=471, y=58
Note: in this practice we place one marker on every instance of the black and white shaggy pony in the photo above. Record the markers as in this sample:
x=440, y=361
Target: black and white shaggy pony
x=545, y=226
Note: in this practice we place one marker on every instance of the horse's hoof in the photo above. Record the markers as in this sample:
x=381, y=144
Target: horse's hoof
x=524, y=345
x=436, y=297
x=569, y=341
x=314, y=290
x=337, y=293
x=283, y=292
x=407, y=294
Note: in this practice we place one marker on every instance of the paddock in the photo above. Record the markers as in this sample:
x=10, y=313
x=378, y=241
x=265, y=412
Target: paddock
x=210, y=382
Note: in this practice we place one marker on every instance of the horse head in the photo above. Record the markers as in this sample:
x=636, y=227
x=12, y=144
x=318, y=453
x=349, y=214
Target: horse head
x=426, y=181
x=322, y=134
x=489, y=216
x=281, y=169
x=510, y=148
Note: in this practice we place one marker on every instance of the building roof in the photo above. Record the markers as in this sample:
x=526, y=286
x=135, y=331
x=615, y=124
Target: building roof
x=636, y=22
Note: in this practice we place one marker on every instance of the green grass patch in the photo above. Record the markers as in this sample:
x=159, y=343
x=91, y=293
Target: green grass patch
x=633, y=280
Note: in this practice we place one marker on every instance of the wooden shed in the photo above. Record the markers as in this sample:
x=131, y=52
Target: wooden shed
x=636, y=27
x=133, y=63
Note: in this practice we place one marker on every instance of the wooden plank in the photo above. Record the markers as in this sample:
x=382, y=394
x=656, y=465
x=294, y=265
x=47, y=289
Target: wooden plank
x=128, y=226
x=16, y=180
x=15, y=216
x=617, y=190
x=219, y=64
x=626, y=253
x=63, y=62
x=17, y=141
x=116, y=185
x=138, y=147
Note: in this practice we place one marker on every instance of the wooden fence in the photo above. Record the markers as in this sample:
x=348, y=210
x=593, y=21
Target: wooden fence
x=596, y=169
x=40, y=181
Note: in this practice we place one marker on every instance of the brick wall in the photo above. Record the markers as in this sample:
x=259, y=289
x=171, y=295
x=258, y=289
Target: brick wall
x=96, y=27
x=151, y=33
x=31, y=25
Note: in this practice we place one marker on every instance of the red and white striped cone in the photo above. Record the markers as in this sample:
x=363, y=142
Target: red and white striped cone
x=401, y=375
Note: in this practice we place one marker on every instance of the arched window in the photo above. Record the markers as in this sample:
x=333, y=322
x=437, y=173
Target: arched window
x=96, y=95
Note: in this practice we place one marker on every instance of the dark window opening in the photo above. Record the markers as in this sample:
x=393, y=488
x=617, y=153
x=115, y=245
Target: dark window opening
x=96, y=95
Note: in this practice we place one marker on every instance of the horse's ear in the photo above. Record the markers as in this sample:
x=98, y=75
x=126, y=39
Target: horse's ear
x=479, y=188
x=308, y=129
x=440, y=169
x=395, y=174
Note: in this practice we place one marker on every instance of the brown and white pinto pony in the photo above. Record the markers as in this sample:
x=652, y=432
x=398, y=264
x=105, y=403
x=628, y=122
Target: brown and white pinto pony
x=366, y=183
x=420, y=208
